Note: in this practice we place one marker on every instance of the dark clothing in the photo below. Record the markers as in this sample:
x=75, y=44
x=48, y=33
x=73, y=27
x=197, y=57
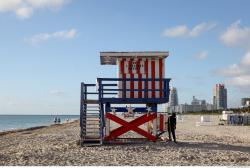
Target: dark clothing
x=171, y=127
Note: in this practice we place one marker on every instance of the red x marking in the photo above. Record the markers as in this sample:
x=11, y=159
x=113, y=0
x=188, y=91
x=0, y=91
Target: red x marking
x=132, y=125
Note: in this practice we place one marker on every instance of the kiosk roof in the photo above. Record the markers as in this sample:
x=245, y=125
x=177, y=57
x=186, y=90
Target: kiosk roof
x=109, y=58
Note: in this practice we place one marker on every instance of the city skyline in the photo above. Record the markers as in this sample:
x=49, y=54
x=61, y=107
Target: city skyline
x=50, y=47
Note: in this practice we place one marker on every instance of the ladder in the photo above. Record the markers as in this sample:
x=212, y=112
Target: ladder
x=91, y=119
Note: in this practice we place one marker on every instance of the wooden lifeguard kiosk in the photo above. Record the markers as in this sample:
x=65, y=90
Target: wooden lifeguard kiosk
x=140, y=80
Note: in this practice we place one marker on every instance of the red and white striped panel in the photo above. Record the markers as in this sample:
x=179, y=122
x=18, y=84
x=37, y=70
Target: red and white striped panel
x=141, y=68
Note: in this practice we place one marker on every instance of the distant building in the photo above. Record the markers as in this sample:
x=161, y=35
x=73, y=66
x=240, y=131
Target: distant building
x=245, y=102
x=173, y=97
x=220, y=96
x=195, y=106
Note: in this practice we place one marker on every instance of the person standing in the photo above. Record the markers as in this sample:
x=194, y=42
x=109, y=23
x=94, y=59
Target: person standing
x=58, y=120
x=172, y=126
x=55, y=120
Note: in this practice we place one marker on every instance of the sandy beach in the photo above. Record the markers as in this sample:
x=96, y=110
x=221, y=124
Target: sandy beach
x=197, y=145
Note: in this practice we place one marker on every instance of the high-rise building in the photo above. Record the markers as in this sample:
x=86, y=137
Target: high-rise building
x=173, y=97
x=220, y=96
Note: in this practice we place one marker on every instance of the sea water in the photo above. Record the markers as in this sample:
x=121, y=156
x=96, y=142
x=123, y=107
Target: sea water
x=10, y=122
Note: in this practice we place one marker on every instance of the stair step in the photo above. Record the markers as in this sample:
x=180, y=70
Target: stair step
x=92, y=132
x=92, y=115
x=92, y=140
x=93, y=123
x=93, y=120
x=93, y=107
x=89, y=101
x=93, y=128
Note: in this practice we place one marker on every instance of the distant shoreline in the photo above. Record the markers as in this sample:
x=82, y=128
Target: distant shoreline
x=16, y=130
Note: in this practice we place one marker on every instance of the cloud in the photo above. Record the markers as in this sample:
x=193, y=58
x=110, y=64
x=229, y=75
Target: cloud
x=52, y=4
x=183, y=31
x=25, y=8
x=246, y=60
x=235, y=35
x=200, y=28
x=238, y=74
x=201, y=55
x=242, y=81
x=24, y=12
x=9, y=5
x=64, y=34
x=176, y=31
x=231, y=71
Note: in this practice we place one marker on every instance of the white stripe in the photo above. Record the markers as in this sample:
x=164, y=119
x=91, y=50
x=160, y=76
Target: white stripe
x=127, y=86
x=136, y=86
x=142, y=63
x=126, y=66
x=134, y=66
x=119, y=67
x=120, y=87
x=143, y=84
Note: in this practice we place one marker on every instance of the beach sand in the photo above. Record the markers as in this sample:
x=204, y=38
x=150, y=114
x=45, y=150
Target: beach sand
x=197, y=145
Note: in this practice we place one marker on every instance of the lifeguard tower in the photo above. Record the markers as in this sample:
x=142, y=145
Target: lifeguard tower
x=140, y=81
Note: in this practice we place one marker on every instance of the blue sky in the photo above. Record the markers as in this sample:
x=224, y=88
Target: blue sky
x=49, y=46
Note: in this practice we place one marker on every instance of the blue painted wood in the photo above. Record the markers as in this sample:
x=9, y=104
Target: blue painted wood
x=107, y=87
x=136, y=109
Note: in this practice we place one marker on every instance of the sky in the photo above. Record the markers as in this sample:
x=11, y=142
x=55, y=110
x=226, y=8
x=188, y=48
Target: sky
x=48, y=47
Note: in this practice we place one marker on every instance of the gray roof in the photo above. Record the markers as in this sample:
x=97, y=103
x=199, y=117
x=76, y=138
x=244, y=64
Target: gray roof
x=109, y=58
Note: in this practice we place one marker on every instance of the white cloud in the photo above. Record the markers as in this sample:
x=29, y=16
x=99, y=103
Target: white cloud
x=25, y=8
x=47, y=3
x=246, y=60
x=232, y=71
x=183, y=31
x=200, y=28
x=238, y=74
x=64, y=34
x=9, y=5
x=24, y=12
x=176, y=31
x=201, y=55
x=241, y=81
x=235, y=35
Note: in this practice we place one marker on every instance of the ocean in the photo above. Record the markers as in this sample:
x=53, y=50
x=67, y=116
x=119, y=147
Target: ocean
x=10, y=122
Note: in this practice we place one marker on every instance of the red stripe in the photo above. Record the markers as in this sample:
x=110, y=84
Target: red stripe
x=123, y=76
x=138, y=67
x=161, y=76
x=122, y=66
x=161, y=122
x=132, y=86
x=140, y=86
x=131, y=77
x=146, y=72
x=153, y=77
